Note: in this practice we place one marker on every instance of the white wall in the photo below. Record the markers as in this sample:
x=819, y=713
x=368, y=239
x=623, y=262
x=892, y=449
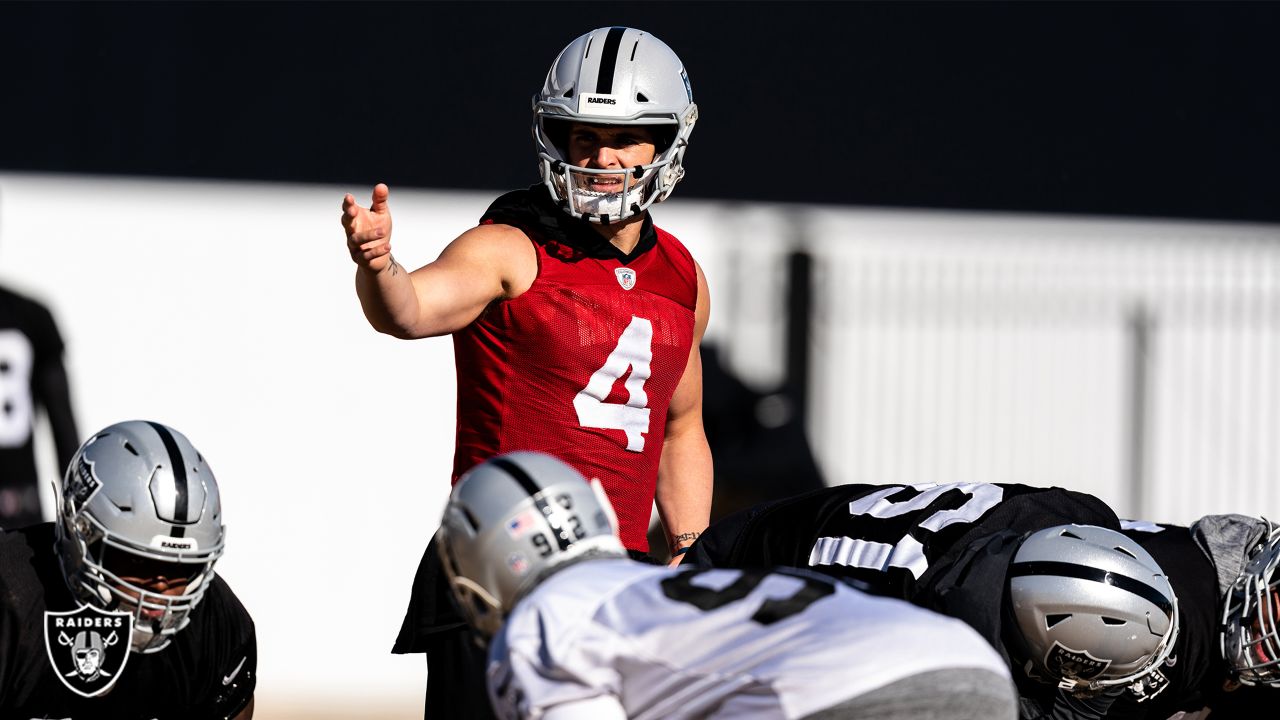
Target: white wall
x=999, y=348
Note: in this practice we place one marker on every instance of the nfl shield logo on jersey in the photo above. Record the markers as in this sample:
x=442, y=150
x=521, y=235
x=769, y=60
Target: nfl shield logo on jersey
x=88, y=647
x=626, y=277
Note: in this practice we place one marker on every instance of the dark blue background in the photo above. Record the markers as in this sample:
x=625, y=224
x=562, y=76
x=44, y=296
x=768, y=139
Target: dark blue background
x=1156, y=109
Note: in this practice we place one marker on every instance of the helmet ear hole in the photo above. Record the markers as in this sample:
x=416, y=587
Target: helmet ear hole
x=471, y=520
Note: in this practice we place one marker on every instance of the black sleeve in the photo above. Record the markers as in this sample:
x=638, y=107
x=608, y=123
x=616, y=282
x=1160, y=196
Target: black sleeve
x=50, y=387
x=232, y=655
x=233, y=697
x=715, y=546
x=54, y=393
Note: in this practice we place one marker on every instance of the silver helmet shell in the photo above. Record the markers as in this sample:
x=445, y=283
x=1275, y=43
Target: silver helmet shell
x=1249, y=638
x=139, y=490
x=1093, y=609
x=615, y=76
x=509, y=522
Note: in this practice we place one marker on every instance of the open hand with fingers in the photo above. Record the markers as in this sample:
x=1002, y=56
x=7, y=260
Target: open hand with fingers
x=369, y=230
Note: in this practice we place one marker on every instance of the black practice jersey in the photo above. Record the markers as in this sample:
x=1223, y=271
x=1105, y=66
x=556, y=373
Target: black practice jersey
x=1196, y=670
x=208, y=671
x=31, y=377
x=895, y=538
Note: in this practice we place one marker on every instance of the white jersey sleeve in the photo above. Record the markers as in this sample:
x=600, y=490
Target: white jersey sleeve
x=685, y=643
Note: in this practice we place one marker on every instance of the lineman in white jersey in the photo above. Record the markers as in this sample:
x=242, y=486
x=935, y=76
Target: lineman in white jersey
x=579, y=631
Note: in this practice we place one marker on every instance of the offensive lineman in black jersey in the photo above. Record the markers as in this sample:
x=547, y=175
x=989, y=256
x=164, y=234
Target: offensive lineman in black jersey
x=114, y=610
x=1227, y=655
x=32, y=377
x=998, y=556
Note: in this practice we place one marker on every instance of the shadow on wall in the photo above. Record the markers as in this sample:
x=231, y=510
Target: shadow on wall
x=758, y=443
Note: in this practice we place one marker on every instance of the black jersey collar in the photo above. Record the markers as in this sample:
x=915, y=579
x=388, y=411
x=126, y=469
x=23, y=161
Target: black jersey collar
x=533, y=211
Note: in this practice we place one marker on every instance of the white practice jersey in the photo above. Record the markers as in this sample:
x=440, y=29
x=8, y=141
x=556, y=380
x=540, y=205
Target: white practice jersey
x=614, y=638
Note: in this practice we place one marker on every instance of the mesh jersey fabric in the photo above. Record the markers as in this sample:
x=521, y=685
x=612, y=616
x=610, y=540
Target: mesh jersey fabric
x=584, y=363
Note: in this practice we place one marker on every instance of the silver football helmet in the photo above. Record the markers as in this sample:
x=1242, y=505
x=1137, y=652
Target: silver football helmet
x=512, y=520
x=1249, y=638
x=137, y=502
x=614, y=76
x=1092, y=608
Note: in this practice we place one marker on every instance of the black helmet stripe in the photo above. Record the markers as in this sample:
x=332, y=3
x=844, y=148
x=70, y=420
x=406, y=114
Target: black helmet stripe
x=1083, y=572
x=518, y=474
x=179, y=468
x=609, y=60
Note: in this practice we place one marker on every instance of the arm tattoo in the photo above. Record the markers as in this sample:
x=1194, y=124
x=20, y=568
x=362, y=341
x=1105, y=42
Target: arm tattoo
x=394, y=267
x=684, y=536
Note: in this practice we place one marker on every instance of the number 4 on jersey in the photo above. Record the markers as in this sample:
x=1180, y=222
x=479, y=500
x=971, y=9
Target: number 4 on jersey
x=635, y=351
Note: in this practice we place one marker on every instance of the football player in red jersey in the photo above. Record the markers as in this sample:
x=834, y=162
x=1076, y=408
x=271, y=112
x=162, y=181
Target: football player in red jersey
x=569, y=306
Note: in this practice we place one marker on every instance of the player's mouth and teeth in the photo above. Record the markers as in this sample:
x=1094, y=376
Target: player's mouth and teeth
x=605, y=183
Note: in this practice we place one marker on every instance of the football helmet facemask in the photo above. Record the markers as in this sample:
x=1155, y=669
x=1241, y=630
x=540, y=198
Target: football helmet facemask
x=510, y=522
x=138, y=501
x=1249, y=638
x=1092, y=610
x=614, y=76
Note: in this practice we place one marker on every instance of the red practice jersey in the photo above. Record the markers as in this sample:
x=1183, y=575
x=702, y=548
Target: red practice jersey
x=583, y=366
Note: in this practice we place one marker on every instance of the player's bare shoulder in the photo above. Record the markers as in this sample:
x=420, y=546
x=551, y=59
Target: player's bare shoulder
x=505, y=249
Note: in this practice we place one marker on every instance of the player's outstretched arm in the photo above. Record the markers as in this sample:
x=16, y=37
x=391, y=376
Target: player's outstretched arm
x=386, y=294
x=685, y=472
x=484, y=264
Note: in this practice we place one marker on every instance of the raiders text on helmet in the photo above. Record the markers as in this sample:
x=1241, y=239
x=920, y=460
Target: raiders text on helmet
x=1093, y=609
x=513, y=519
x=139, y=492
x=614, y=76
